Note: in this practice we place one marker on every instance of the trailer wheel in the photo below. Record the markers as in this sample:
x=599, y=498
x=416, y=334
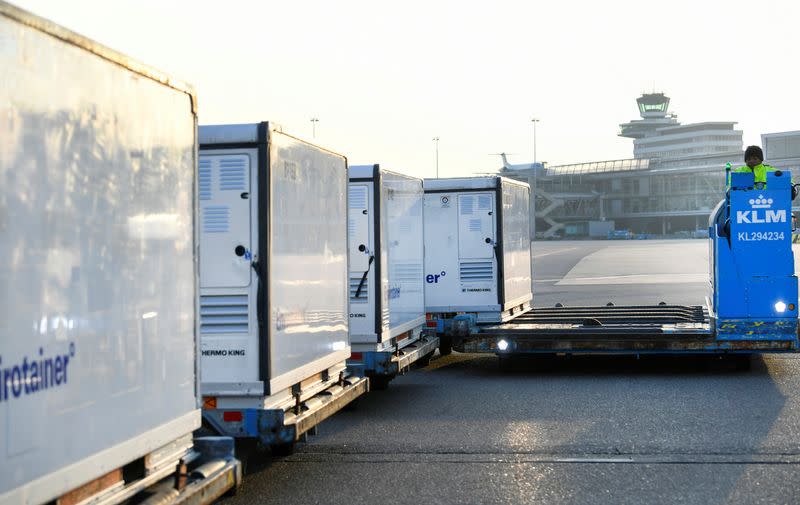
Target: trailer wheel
x=445, y=344
x=742, y=362
x=245, y=448
x=282, y=450
x=379, y=382
x=248, y=453
x=504, y=362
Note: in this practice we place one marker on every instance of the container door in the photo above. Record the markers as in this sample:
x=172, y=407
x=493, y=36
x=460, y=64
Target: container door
x=476, y=226
x=403, y=210
x=224, y=187
x=476, y=238
x=362, y=303
x=228, y=292
x=516, y=238
x=358, y=228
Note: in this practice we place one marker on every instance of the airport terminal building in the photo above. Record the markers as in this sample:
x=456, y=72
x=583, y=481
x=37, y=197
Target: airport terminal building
x=782, y=150
x=677, y=175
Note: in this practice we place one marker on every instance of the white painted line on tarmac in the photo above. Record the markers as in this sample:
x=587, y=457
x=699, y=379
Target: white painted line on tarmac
x=592, y=460
x=554, y=252
x=635, y=279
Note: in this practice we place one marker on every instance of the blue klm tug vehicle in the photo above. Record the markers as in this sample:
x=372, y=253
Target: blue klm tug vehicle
x=752, y=305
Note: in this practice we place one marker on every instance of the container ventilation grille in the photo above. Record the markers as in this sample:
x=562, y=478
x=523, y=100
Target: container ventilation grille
x=476, y=271
x=466, y=202
x=484, y=202
x=356, y=200
x=357, y=196
x=204, y=183
x=363, y=296
x=232, y=174
x=223, y=314
x=406, y=272
x=216, y=219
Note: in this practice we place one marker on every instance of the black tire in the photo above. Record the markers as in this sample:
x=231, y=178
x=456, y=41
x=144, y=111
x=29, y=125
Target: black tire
x=445, y=344
x=282, y=450
x=379, y=382
x=245, y=448
x=742, y=362
x=248, y=453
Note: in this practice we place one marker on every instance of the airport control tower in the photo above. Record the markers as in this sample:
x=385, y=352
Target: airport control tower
x=659, y=136
x=653, y=108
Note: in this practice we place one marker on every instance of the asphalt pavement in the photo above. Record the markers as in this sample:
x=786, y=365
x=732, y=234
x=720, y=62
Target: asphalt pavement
x=581, y=430
x=624, y=272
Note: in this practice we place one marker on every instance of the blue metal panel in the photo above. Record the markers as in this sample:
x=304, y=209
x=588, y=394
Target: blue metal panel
x=748, y=329
x=250, y=421
x=379, y=363
x=356, y=368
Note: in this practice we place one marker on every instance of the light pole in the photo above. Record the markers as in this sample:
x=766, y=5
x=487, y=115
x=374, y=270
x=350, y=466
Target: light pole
x=314, y=122
x=436, y=140
x=535, y=187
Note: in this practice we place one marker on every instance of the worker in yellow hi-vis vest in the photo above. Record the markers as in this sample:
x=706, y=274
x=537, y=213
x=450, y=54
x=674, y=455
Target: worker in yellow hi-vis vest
x=754, y=163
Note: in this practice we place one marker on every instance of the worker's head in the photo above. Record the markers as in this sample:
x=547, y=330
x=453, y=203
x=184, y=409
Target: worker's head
x=753, y=156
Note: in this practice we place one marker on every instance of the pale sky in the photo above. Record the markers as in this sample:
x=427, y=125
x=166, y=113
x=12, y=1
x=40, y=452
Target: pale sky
x=384, y=78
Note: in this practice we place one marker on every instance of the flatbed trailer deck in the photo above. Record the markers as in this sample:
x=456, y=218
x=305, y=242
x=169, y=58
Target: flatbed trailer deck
x=607, y=329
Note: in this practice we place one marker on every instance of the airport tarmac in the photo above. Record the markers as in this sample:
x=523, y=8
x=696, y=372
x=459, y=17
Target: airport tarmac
x=585, y=430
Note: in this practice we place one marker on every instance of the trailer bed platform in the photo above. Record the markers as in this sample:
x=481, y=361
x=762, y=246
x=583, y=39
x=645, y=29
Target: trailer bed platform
x=609, y=329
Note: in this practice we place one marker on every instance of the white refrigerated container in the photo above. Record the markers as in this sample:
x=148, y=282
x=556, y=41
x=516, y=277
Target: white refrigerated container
x=98, y=274
x=387, y=297
x=477, y=247
x=273, y=274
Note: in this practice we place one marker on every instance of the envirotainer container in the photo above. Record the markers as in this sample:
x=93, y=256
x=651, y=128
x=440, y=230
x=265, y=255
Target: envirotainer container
x=477, y=247
x=98, y=274
x=387, y=295
x=273, y=279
